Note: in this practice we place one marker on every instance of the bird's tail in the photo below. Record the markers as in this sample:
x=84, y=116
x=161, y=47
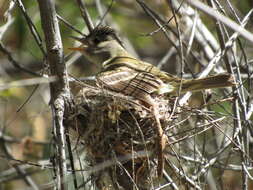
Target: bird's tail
x=218, y=81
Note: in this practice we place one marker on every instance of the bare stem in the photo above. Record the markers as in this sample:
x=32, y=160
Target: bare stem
x=59, y=90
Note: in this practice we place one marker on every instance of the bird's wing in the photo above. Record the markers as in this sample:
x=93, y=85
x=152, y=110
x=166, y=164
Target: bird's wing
x=130, y=82
x=140, y=66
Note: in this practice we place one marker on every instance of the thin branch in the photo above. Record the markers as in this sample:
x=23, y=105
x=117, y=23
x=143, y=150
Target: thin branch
x=182, y=175
x=28, y=180
x=31, y=26
x=108, y=20
x=27, y=82
x=3, y=29
x=71, y=158
x=69, y=25
x=228, y=22
x=100, y=11
x=202, y=35
x=85, y=15
x=163, y=25
x=157, y=20
x=192, y=33
x=14, y=62
x=217, y=57
x=181, y=52
x=10, y=20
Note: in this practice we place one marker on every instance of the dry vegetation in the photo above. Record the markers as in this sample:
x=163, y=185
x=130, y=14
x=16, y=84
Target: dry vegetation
x=103, y=140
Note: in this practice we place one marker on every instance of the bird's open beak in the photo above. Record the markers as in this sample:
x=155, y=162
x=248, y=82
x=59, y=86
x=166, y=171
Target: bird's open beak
x=83, y=47
x=77, y=48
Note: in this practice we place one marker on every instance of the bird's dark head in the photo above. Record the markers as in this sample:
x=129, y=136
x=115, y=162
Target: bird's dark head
x=100, y=45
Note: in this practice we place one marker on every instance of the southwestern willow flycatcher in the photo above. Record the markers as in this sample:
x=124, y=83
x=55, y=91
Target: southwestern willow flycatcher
x=123, y=73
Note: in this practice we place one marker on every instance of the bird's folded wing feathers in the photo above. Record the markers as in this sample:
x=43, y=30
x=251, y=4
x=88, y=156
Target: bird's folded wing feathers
x=130, y=82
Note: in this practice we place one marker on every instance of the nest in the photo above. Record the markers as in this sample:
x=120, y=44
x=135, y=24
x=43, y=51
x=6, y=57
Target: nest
x=119, y=134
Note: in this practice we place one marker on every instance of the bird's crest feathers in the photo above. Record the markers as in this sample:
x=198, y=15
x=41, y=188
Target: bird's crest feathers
x=102, y=31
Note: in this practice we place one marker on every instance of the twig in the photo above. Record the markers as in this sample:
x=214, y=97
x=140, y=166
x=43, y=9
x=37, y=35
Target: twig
x=69, y=25
x=108, y=20
x=202, y=35
x=31, y=26
x=85, y=15
x=183, y=176
x=217, y=58
x=72, y=163
x=10, y=20
x=157, y=20
x=181, y=52
x=28, y=180
x=228, y=22
x=233, y=11
x=100, y=10
x=27, y=82
x=162, y=25
x=14, y=62
x=192, y=34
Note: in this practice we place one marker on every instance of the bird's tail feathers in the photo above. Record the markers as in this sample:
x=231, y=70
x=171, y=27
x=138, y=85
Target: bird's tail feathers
x=218, y=81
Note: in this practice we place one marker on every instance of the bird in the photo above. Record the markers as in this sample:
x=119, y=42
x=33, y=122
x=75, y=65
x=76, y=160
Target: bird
x=126, y=74
x=123, y=73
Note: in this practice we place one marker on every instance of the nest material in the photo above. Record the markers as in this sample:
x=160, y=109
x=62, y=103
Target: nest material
x=118, y=128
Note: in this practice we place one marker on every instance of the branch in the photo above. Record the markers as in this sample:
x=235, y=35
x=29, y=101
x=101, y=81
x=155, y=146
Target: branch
x=217, y=57
x=228, y=22
x=14, y=62
x=59, y=90
x=85, y=15
x=31, y=26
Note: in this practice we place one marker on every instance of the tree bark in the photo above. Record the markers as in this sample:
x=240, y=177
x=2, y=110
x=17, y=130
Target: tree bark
x=60, y=93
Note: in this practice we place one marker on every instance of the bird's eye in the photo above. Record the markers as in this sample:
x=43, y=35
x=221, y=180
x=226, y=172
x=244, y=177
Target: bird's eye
x=96, y=40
